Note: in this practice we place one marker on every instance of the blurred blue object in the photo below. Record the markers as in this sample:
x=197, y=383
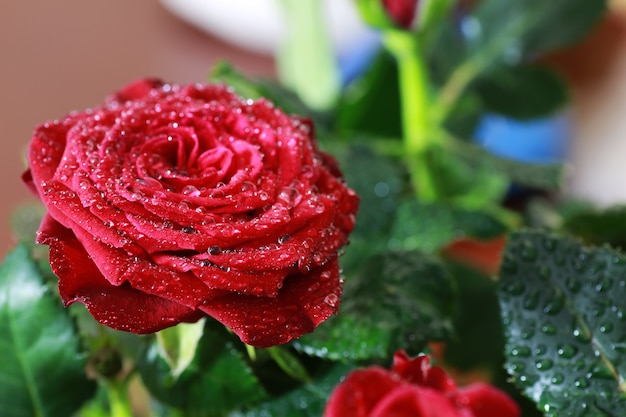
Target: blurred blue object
x=357, y=60
x=540, y=140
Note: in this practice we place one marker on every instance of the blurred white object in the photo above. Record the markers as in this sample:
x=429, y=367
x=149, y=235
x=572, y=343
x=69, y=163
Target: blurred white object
x=258, y=25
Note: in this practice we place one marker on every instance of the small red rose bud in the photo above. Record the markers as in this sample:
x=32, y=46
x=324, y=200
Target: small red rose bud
x=402, y=12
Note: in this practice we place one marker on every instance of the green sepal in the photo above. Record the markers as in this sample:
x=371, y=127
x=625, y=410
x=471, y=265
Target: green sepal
x=178, y=344
x=217, y=381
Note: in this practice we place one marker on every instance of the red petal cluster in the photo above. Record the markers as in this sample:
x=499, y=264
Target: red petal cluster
x=402, y=12
x=169, y=202
x=414, y=388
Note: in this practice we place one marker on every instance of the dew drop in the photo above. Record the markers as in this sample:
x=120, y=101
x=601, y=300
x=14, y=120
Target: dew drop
x=554, y=305
x=548, y=328
x=528, y=252
x=282, y=239
x=544, y=364
x=581, y=383
x=549, y=244
x=606, y=328
x=531, y=301
x=248, y=186
x=515, y=288
x=580, y=335
x=508, y=264
x=566, y=351
x=540, y=350
x=520, y=351
x=190, y=190
x=289, y=195
x=214, y=250
x=573, y=284
x=544, y=273
x=557, y=379
x=188, y=230
x=332, y=300
x=527, y=333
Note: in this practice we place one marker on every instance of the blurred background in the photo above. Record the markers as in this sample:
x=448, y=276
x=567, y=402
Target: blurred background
x=62, y=56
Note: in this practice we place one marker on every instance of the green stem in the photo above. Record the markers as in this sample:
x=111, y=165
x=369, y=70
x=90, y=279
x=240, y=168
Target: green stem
x=419, y=132
x=117, y=393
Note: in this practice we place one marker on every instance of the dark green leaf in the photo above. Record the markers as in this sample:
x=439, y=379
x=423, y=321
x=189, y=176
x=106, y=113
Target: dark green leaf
x=399, y=300
x=217, y=381
x=520, y=29
x=477, y=319
x=464, y=181
x=308, y=400
x=523, y=92
x=500, y=34
x=599, y=226
x=372, y=102
x=40, y=362
x=540, y=176
x=379, y=183
x=563, y=309
x=429, y=226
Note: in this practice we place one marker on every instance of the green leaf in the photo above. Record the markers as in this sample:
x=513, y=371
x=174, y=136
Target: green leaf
x=399, y=300
x=217, y=381
x=372, y=102
x=477, y=319
x=256, y=89
x=563, y=309
x=523, y=92
x=308, y=400
x=521, y=29
x=505, y=33
x=464, y=181
x=429, y=226
x=379, y=181
x=38, y=346
x=599, y=226
x=178, y=345
x=547, y=177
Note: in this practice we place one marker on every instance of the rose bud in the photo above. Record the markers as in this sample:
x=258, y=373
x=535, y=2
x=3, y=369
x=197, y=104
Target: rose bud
x=402, y=12
x=414, y=388
x=169, y=203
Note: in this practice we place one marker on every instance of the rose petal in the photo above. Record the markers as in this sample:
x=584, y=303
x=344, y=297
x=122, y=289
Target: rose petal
x=359, y=393
x=419, y=371
x=414, y=401
x=304, y=302
x=486, y=401
x=119, y=307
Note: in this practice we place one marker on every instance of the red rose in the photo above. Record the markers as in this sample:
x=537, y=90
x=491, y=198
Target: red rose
x=169, y=203
x=414, y=388
x=402, y=12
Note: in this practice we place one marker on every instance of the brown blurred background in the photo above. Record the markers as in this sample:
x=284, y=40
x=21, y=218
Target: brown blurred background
x=68, y=55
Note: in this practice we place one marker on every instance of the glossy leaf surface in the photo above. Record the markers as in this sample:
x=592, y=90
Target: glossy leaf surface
x=41, y=361
x=563, y=309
